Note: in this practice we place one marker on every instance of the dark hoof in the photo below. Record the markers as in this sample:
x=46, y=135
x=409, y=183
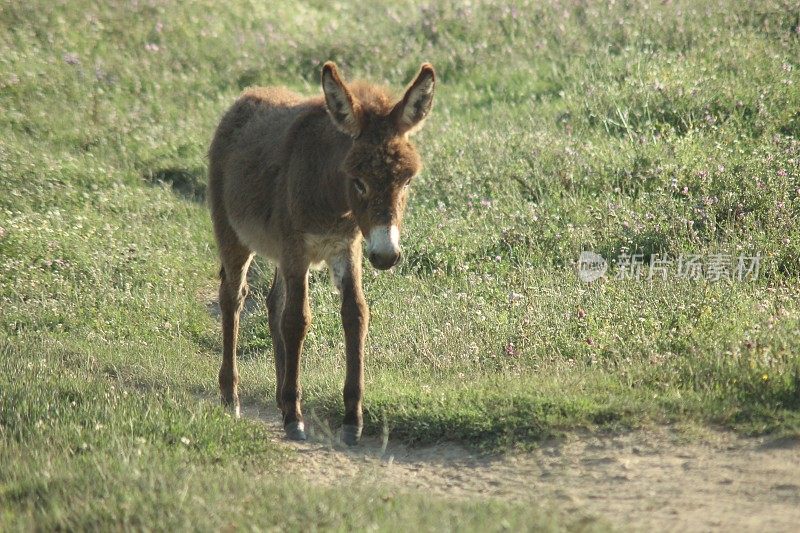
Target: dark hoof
x=295, y=431
x=351, y=434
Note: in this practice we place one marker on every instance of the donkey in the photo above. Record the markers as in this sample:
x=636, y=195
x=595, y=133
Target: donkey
x=300, y=181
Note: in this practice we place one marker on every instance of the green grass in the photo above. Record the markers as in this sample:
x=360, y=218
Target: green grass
x=558, y=127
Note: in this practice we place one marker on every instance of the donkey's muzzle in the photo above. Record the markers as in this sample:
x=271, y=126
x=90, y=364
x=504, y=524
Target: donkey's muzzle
x=383, y=246
x=384, y=261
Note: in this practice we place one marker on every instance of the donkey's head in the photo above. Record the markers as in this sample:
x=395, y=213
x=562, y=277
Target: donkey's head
x=381, y=161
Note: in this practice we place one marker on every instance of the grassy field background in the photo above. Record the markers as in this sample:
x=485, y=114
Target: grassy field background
x=559, y=126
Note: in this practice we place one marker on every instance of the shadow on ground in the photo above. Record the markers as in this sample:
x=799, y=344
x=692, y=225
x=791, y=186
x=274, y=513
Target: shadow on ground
x=188, y=183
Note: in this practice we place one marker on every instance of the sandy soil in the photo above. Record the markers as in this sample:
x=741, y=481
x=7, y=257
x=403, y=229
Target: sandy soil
x=658, y=479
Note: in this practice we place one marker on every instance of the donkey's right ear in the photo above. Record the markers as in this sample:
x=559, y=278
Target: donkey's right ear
x=344, y=109
x=410, y=112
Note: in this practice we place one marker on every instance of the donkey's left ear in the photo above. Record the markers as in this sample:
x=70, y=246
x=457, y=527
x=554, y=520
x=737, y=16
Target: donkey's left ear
x=343, y=107
x=410, y=112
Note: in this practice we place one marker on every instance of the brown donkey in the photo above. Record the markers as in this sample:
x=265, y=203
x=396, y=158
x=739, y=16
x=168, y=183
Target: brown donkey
x=299, y=181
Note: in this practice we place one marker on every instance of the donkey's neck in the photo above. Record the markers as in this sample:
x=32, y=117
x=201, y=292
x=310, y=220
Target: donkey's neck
x=333, y=186
x=329, y=212
x=322, y=190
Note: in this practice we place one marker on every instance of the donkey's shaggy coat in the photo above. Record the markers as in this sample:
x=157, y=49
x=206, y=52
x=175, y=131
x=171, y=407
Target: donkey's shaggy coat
x=300, y=181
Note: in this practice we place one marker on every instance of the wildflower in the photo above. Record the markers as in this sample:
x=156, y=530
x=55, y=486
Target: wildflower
x=71, y=58
x=765, y=377
x=514, y=297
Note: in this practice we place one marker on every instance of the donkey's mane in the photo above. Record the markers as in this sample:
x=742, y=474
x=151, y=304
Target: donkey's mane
x=374, y=99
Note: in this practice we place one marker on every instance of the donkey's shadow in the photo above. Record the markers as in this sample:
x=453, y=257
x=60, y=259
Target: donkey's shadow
x=187, y=183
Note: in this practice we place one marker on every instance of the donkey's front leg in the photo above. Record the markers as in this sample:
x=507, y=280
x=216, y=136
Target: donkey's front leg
x=295, y=320
x=355, y=319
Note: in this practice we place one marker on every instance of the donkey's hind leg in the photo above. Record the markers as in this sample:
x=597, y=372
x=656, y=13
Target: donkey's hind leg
x=232, y=292
x=275, y=302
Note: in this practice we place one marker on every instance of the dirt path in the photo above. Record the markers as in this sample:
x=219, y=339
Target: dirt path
x=658, y=479
x=644, y=480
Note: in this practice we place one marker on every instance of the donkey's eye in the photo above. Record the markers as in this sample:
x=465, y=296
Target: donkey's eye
x=360, y=187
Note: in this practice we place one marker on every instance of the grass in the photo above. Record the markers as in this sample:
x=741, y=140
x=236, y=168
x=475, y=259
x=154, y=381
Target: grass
x=558, y=127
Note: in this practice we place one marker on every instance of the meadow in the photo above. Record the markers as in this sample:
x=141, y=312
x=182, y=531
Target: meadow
x=664, y=129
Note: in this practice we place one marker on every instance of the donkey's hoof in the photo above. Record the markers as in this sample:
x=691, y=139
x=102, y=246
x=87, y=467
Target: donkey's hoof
x=232, y=406
x=351, y=434
x=295, y=431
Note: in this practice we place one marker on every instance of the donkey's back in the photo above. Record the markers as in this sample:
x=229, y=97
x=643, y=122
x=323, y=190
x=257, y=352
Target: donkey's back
x=258, y=120
x=248, y=150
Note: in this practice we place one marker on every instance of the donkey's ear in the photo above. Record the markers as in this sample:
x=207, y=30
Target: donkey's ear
x=344, y=109
x=410, y=112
